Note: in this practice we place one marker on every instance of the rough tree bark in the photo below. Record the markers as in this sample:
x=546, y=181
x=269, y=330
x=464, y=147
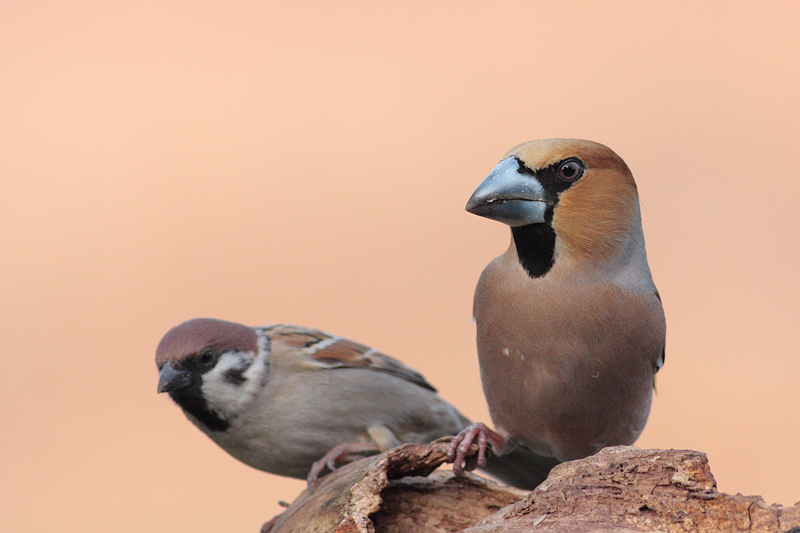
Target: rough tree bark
x=621, y=489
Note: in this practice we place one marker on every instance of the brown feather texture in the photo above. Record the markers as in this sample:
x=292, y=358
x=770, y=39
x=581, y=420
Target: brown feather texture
x=332, y=351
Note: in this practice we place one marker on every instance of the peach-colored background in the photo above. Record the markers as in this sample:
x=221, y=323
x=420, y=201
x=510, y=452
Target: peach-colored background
x=309, y=163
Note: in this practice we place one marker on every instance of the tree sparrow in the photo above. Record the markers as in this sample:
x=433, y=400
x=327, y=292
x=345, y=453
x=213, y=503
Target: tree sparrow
x=292, y=401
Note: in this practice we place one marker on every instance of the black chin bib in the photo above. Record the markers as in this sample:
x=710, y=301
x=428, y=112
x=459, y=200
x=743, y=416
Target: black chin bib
x=536, y=244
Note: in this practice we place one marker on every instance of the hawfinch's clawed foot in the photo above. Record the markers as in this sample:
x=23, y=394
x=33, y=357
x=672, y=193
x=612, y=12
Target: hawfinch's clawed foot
x=343, y=453
x=459, y=447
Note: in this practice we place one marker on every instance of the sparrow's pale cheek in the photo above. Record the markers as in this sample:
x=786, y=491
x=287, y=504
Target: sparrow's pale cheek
x=233, y=383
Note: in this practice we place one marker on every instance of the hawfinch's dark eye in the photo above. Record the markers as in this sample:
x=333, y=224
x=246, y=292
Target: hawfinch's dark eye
x=570, y=170
x=206, y=357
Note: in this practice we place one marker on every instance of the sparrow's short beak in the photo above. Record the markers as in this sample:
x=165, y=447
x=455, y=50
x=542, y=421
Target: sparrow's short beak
x=171, y=379
x=509, y=196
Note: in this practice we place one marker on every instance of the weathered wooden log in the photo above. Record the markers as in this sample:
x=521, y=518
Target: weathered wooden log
x=628, y=489
x=621, y=489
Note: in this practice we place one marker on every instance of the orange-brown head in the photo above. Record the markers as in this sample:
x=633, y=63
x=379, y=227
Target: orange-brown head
x=575, y=191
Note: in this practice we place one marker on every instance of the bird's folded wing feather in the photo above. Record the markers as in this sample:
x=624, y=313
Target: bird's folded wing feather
x=321, y=349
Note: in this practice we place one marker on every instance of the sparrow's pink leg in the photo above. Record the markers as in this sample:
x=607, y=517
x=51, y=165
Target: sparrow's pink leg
x=343, y=453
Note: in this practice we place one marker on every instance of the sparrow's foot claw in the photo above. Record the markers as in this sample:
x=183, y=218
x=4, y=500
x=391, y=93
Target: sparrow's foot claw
x=458, y=453
x=343, y=453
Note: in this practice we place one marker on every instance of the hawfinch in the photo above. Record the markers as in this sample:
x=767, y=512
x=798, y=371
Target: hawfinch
x=570, y=327
x=292, y=400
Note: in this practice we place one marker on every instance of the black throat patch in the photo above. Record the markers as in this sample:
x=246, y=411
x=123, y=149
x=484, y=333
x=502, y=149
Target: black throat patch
x=536, y=245
x=192, y=401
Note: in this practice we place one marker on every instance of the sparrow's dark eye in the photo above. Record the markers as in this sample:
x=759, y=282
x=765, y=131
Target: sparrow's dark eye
x=206, y=357
x=570, y=170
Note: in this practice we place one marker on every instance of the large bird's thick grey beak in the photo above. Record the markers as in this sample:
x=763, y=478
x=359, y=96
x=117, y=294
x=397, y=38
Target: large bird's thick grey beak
x=509, y=196
x=171, y=379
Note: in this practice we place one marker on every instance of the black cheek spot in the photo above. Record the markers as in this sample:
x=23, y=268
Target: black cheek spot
x=235, y=376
